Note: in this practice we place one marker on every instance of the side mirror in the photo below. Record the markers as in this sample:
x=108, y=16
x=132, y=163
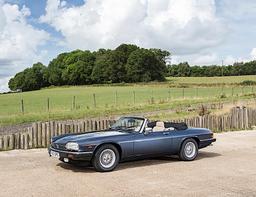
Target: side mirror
x=147, y=130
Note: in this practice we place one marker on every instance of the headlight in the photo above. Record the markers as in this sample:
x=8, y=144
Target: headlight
x=72, y=146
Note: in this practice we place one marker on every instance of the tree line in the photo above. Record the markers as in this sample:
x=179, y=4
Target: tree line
x=127, y=63
x=185, y=70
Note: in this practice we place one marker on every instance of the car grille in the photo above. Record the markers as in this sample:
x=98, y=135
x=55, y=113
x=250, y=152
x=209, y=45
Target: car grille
x=59, y=146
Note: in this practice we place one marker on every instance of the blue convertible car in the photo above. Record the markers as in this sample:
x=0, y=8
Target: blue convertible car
x=130, y=138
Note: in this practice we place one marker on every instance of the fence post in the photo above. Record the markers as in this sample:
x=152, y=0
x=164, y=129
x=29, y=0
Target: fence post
x=48, y=134
x=17, y=141
x=116, y=98
x=134, y=101
x=1, y=143
x=11, y=142
x=34, y=134
x=52, y=128
x=44, y=135
x=21, y=141
x=25, y=140
x=74, y=102
x=94, y=100
x=39, y=134
x=48, y=104
x=183, y=93
x=152, y=97
x=22, y=106
x=169, y=94
x=30, y=137
x=67, y=128
x=196, y=92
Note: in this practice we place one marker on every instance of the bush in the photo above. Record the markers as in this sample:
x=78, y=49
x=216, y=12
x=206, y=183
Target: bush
x=223, y=95
x=203, y=110
x=248, y=83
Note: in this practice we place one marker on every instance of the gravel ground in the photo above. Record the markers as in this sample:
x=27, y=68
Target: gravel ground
x=228, y=168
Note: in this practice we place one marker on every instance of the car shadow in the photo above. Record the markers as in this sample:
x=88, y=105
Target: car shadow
x=162, y=160
x=205, y=154
x=76, y=168
x=137, y=163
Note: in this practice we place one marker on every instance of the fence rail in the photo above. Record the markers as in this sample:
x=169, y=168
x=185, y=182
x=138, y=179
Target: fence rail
x=40, y=133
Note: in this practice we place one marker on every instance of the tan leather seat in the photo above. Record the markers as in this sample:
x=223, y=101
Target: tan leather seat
x=159, y=127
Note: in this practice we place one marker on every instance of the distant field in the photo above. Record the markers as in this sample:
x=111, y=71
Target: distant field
x=78, y=101
x=211, y=80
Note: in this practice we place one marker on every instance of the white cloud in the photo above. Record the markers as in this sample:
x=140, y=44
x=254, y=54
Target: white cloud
x=19, y=41
x=184, y=26
x=4, y=84
x=231, y=59
x=212, y=58
x=207, y=58
x=253, y=54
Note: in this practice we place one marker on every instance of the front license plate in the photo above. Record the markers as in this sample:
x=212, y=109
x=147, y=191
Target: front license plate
x=55, y=154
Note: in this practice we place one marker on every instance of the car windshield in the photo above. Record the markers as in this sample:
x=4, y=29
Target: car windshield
x=128, y=124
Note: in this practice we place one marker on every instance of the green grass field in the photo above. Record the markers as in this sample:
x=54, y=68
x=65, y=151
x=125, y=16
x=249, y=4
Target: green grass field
x=78, y=101
x=211, y=80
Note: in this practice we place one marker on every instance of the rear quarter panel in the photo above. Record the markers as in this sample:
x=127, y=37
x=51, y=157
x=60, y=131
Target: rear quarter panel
x=179, y=136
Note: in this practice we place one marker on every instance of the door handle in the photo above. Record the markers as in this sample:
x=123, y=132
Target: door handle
x=166, y=133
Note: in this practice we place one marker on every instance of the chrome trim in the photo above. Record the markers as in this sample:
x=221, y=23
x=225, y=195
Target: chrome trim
x=143, y=140
x=143, y=125
x=70, y=152
x=210, y=139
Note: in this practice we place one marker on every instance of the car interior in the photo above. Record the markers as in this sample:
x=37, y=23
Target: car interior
x=159, y=126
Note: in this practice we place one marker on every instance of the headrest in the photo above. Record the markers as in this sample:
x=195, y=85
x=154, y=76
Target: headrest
x=160, y=124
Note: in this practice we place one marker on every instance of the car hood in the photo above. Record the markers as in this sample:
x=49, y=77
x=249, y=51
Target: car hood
x=88, y=136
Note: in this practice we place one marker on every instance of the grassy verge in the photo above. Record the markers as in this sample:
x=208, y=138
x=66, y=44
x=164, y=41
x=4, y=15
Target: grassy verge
x=179, y=104
x=211, y=81
x=72, y=102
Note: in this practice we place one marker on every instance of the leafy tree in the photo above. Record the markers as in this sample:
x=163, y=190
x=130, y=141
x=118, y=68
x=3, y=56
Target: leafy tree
x=29, y=79
x=184, y=69
x=100, y=72
x=79, y=68
x=55, y=69
x=161, y=55
x=144, y=66
x=110, y=65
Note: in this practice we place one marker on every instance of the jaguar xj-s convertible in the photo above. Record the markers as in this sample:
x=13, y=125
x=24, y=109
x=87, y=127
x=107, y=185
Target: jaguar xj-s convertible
x=130, y=138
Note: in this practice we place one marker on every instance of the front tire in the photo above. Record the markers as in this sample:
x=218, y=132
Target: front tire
x=189, y=150
x=106, y=158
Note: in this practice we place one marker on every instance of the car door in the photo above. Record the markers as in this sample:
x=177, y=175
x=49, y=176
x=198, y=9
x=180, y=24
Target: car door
x=153, y=143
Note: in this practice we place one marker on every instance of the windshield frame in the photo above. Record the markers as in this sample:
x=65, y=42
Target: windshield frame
x=139, y=118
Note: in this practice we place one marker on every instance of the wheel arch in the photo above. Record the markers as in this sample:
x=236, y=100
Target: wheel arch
x=190, y=137
x=116, y=145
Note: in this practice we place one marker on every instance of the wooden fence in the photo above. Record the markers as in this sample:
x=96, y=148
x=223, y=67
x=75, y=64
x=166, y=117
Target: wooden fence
x=39, y=135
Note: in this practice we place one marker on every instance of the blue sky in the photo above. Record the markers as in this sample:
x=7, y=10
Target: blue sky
x=202, y=32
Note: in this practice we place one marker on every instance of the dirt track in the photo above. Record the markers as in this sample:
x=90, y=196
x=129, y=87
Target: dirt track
x=226, y=169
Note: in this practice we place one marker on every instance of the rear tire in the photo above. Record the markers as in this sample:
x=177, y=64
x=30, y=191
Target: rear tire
x=106, y=158
x=188, y=150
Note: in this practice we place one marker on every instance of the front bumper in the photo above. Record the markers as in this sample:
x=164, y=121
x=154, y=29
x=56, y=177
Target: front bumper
x=206, y=142
x=81, y=156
